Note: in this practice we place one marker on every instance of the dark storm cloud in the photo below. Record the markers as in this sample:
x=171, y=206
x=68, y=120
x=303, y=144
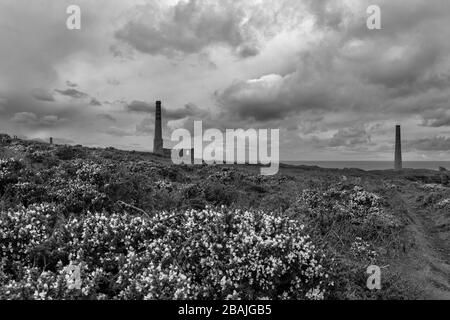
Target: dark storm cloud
x=107, y=117
x=145, y=127
x=73, y=93
x=113, y=82
x=95, y=102
x=190, y=27
x=436, y=118
x=189, y=110
x=258, y=99
x=328, y=14
x=309, y=88
x=32, y=113
x=43, y=95
x=62, y=140
x=30, y=119
x=186, y=115
x=400, y=70
x=248, y=50
x=24, y=103
x=140, y=106
x=247, y=100
x=436, y=123
x=25, y=118
x=118, y=132
x=71, y=84
x=352, y=137
x=50, y=120
x=429, y=144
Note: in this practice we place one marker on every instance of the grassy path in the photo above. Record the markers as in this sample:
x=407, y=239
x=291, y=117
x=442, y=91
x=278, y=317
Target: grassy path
x=429, y=260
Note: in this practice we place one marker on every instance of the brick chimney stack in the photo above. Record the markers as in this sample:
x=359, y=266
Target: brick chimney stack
x=158, y=140
x=398, y=148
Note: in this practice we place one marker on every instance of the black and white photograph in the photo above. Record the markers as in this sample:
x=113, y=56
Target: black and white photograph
x=239, y=152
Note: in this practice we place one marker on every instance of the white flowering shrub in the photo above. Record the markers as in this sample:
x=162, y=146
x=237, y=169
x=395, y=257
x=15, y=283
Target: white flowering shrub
x=357, y=206
x=355, y=228
x=207, y=254
x=35, y=284
x=164, y=185
x=23, y=230
x=16, y=147
x=217, y=252
x=9, y=169
x=362, y=249
x=443, y=204
x=75, y=186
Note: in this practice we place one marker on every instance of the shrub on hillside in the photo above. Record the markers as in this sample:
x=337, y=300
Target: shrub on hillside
x=356, y=206
x=207, y=254
x=22, y=230
x=218, y=194
x=9, y=172
x=69, y=153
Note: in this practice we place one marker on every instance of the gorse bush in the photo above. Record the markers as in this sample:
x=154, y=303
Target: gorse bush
x=208, y=254
x=23, y=231
x=76, y=187
x=355, y=206
x=9, y=172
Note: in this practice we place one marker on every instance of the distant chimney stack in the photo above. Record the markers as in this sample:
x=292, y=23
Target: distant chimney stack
x=398, y=148
x=158, y=140
x=51, y=140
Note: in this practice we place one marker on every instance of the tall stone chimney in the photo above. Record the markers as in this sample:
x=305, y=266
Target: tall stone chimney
x=158, y=140
x=51, y=140
x=398, y=148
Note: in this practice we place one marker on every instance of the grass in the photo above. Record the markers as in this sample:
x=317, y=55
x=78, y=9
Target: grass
x=345, y=220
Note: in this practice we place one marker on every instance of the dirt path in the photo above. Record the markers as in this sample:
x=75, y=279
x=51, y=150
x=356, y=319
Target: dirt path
x=429, y=259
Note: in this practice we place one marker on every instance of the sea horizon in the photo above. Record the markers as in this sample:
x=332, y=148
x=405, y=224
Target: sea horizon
x=369, y=165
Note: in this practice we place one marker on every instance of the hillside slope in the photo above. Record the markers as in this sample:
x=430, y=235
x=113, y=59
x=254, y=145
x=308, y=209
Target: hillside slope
x=140, y=227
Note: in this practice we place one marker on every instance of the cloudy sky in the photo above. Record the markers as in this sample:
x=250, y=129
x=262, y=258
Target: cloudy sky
x=310, y=68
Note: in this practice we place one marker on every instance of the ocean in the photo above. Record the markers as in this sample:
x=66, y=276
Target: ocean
x=373, y=165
